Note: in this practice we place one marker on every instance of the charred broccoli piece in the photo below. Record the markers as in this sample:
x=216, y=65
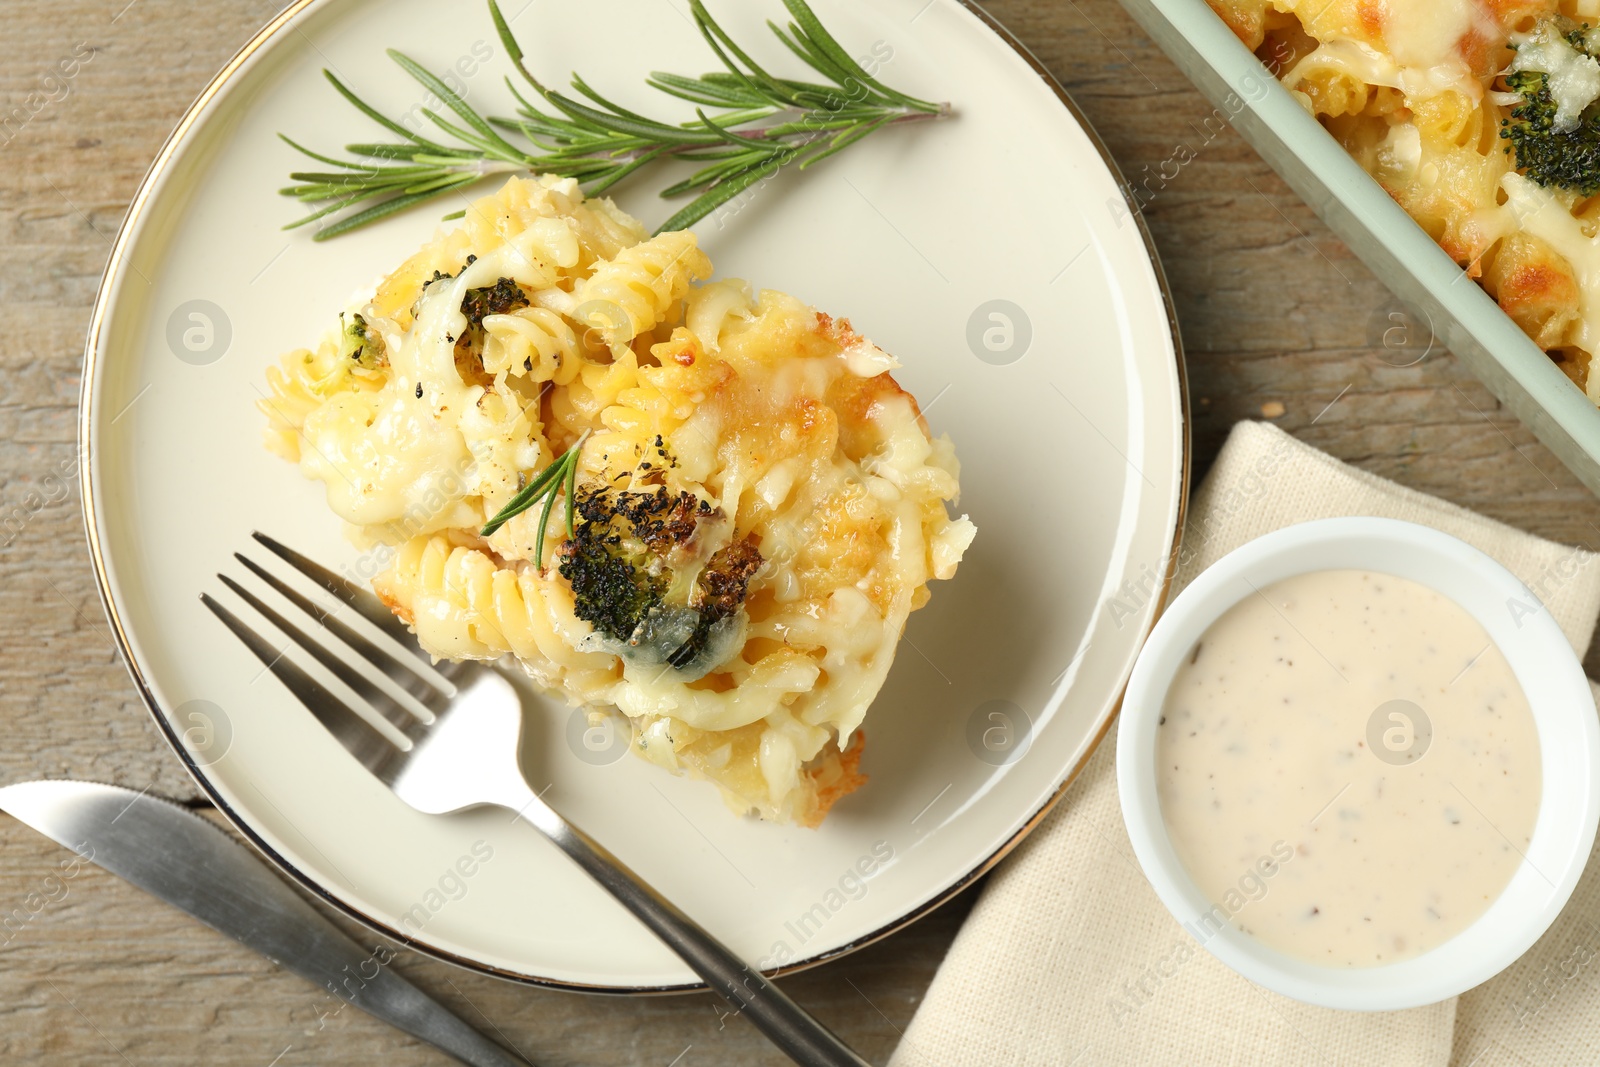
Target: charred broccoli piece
x=662, y=519
x=502, y=297
x=1548, y=156
x=614, y=585
x=616, y=564
x=725, y=581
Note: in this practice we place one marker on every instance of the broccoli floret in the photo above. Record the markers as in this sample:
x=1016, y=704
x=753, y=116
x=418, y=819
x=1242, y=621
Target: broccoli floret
x=500, y=298
x=616, y=563
x=1565, y=159
x=360, y=343
x=614, y=585
x=504, y=296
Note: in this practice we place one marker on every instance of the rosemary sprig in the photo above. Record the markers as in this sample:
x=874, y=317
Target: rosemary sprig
x=560, y=475
x=750, y=124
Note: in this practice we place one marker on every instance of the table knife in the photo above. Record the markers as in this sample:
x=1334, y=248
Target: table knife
x=174, y=854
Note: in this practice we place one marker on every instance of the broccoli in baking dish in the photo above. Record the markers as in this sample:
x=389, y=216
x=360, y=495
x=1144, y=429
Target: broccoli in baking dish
x=1554, y=129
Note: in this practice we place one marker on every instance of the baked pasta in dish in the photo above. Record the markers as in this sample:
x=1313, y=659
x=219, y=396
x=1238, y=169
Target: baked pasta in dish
x=755, y=506
x=1479, y=117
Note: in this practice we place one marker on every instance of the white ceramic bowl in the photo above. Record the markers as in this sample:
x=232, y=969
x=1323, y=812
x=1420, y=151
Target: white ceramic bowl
x=1545, y=666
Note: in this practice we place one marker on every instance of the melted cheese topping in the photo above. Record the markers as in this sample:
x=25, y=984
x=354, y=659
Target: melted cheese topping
x=1419, y=48
x=782, y=425
x=1425, y=38
x=1573, y=76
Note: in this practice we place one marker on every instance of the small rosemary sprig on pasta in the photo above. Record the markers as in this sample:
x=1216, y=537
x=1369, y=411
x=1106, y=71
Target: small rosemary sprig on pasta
x=750, y=124
x=562, y=475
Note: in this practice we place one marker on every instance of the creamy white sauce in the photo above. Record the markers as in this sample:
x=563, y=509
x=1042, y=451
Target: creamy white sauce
x=1323, y=818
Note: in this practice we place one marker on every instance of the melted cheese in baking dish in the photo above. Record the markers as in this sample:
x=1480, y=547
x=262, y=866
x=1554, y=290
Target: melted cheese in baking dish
x=758, y=506
x=1408, y=87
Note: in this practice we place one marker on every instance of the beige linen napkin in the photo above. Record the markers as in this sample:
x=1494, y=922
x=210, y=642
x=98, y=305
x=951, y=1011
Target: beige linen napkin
x=1068, y=958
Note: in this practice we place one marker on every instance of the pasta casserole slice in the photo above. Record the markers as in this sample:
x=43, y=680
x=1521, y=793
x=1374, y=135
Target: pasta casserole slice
x=754, y=507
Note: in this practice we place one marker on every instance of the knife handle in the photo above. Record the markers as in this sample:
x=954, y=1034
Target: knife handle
x=786, y=1024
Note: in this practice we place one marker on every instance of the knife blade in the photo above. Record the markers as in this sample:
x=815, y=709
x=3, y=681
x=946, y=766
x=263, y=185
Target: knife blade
x=179, y=857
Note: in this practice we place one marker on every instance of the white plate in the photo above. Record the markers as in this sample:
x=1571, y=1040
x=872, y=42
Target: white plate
x=1073, y=451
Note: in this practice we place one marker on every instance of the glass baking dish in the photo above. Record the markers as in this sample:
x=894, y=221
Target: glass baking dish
x=1462, y=316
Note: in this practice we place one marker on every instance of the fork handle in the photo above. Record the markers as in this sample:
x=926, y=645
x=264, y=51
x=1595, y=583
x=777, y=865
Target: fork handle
x=786, y=1024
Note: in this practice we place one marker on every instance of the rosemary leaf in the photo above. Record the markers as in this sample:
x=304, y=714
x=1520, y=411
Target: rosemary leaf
x=451, y=99
x=372, y=214
x=303, y=150
x=721, y=193
x=816, y=60
x=758, y=80
x=571, y=489
x=439, y=183
x=371, y=113
x=563, y=468
x=584, y=89
x=719, y=172
x=843, y=141
x=380, y=151
x=529, y=496
x=622, y=172
x=817, y=35
x=485, y=145
x=337, y=205
x=622, y=124
x=731, y=137
x=544, y=524
x=701, y=91
x=513, y=49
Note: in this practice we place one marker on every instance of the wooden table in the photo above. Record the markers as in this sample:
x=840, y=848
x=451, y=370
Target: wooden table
x=1279, y=321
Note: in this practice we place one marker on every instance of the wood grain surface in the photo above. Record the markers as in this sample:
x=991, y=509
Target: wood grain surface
x=1279, y=321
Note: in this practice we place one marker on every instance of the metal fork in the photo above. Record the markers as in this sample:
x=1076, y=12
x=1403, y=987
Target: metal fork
x=466, y=757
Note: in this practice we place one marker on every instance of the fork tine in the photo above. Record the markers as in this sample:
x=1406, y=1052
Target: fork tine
x=370, y=748
x=402, y=673
x=397, y=715
x=371, y=608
